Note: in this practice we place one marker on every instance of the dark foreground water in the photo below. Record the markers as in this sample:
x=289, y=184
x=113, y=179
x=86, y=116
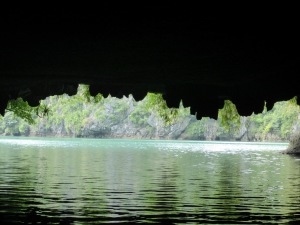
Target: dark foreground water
x=86, y=181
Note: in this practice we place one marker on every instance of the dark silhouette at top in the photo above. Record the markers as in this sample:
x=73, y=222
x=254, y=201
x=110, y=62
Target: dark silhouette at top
x=183, y=52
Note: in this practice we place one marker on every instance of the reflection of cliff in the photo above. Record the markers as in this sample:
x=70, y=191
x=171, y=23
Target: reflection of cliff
x=112, y=117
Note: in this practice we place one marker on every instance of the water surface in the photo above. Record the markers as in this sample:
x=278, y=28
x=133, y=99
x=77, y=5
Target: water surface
x=94, y=181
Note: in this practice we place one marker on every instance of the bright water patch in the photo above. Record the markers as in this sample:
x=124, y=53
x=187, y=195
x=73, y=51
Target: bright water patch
x=92, y=181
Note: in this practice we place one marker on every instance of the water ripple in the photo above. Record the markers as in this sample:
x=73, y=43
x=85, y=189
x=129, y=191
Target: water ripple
x=170, y=182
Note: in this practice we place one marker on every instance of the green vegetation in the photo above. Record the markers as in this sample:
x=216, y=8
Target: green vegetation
x=280, y=122
x=229, y=116
x=21, y=109
x=83, y=115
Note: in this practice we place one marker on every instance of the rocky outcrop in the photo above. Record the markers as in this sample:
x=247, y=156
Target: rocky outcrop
x=111, y=117
x=294, y=145
x=95, y=130
x=155, y=129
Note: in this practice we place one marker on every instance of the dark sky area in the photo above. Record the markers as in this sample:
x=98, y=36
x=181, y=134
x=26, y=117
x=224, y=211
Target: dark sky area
x=185, y=52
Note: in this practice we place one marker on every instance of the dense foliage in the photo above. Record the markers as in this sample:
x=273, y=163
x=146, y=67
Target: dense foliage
x=83, y=115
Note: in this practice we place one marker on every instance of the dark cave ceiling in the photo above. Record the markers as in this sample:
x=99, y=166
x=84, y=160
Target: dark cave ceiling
x=201, y=59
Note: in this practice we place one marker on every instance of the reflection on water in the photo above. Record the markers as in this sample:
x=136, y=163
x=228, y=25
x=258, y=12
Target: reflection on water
x=84, y=181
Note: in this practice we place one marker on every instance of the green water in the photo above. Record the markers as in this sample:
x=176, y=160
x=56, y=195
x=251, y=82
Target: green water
x=95, y=181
